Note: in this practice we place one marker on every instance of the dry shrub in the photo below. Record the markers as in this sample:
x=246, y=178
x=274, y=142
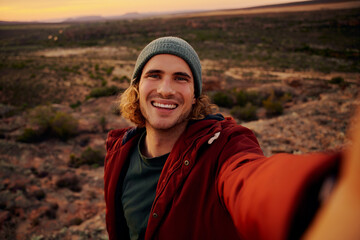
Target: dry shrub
x=89, y=156
x=46, y=122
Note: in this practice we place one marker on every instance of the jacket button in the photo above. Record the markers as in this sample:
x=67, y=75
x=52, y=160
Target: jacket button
x=155, y=215
x=186, y=162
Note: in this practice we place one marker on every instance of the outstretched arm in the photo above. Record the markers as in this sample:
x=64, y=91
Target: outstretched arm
x=263, y=195
x=340, y=216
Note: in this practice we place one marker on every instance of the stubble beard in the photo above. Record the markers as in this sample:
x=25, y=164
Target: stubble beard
x=182, y=120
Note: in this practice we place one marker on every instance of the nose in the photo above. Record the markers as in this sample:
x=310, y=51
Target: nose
x=166, y=87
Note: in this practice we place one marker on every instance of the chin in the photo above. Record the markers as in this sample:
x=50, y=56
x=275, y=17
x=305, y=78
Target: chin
x=166, y=125
x=162, y=126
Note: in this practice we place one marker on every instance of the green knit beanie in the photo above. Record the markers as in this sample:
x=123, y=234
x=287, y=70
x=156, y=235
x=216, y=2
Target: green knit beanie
x=174, y=46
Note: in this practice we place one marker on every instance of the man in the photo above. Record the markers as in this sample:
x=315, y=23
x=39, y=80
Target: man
x=184, y=173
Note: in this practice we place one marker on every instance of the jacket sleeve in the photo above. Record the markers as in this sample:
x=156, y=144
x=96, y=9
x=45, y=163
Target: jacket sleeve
x=262, y=194
x=112, y=167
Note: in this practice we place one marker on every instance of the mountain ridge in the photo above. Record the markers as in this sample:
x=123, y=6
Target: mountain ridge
x=137, y=15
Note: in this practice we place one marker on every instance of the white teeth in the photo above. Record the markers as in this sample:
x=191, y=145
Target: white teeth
x=168, y=106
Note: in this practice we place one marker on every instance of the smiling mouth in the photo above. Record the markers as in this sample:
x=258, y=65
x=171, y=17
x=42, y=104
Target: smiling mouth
x=164, y=106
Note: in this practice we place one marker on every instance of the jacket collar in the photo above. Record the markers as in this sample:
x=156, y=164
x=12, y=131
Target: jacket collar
x=194, y=127
x=131, y=133
x=217, y=117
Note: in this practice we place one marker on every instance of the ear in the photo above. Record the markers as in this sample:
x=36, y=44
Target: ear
x=194, y=100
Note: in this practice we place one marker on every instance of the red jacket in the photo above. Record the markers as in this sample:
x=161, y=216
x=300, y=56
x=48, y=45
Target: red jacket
x=215, y=184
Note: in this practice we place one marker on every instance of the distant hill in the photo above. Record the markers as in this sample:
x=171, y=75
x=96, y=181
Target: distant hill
x=86, y=19
x=14, y=23
x=300, y=3
x=137, y=15
x=131, y=15
x=303, y=6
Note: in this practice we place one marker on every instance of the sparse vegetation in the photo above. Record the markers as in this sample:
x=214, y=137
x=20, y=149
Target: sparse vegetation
x=21, y=90
x=75, y=221
x=63, y=126
x=246, y=103
x=97, y=67
x=70, y=181
x=75, y=105
x=103, y=92
x=243, y=97
x=245, y=113
x=121, y=79
x=103, y=123
x=276, y=40
x=223, y=99
x=266, y=40
x=39, y=194
x=48, y=123
x=18, y=65
x=108, y=70
x=89, y=156
x=96, y=76
x=72, y=69
x=339, y=81
x=273, y=106
x=30, y=135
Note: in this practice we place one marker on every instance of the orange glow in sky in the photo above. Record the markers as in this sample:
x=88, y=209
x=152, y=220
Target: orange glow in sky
x=37, y=10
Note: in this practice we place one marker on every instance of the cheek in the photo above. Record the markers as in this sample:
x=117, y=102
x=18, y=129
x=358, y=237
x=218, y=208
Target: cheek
x=144, y=89
x=191, y=95
x=142, y=95
x=141, y=87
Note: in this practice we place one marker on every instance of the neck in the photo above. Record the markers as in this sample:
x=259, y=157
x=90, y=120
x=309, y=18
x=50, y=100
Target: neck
x=159, y=142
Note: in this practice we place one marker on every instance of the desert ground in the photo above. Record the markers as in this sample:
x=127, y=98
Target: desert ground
x=292, y=77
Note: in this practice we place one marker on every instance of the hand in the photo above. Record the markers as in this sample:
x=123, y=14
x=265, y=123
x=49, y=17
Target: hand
x=339, y=218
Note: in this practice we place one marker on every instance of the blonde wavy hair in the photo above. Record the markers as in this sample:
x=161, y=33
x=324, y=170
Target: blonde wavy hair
x=130, y=106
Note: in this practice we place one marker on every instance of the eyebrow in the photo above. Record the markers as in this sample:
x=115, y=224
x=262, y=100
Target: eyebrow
x=154, y=71
x=184, y=74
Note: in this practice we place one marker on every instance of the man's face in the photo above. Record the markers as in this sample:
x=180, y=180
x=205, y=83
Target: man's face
x=166, y=91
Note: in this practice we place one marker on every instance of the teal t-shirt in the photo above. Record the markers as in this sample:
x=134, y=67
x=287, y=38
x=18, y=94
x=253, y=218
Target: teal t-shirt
x=139, y=187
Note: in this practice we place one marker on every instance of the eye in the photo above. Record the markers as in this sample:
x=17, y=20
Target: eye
x=153, y=75
x=180, y=78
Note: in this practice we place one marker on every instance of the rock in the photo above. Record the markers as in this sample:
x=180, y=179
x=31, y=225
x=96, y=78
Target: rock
x=39, y=174
x=18, y=184
x=22, y=202
x=5, y=184
x=69, y=180
x=4, y=216
x=75, y=221
x=48, y=210
x=35, y=192
x=7, y=226
x=293, y=82
x=6, y=110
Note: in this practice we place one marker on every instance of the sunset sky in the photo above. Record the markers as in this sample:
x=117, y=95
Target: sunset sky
x=38, y=10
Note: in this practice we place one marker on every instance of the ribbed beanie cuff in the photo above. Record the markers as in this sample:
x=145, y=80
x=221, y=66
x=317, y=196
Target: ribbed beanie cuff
x=174, y=46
